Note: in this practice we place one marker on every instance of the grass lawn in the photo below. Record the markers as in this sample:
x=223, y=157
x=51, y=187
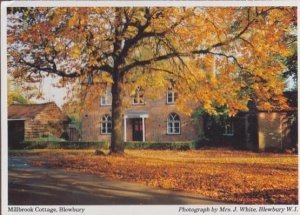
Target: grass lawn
x=233, y=176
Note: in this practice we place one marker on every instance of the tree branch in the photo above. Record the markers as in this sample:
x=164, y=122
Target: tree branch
x=49, y=70
x=229, y=57
x=149, y=61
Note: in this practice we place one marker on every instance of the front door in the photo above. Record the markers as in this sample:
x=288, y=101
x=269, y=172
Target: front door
x=137, y=129
x=16, y=133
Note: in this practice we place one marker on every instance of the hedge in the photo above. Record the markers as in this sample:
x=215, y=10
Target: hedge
x=33, y=144
x=162, y=145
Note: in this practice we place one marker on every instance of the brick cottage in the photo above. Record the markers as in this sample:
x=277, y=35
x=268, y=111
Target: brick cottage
x=151, y=120
x=30, y=121
x=159, y=120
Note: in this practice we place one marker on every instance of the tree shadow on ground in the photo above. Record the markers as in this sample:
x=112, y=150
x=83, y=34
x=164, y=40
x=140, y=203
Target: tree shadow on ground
x=57, y=187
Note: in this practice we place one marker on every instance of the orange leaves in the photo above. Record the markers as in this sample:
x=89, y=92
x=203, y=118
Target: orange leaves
x=56, y=15
x=247, y=43
x=75, y=51
x=213, y=81
x=73, y=21
x=234, y=176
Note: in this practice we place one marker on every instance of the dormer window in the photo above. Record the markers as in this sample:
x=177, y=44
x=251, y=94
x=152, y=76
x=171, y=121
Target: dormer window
x=106, y=99
x=138, y=97
x=171, y=96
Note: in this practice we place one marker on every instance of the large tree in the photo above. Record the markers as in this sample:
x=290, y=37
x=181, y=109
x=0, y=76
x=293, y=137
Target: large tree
x=215, y=56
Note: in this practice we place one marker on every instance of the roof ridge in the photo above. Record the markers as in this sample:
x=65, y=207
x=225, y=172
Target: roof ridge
x=28, y=110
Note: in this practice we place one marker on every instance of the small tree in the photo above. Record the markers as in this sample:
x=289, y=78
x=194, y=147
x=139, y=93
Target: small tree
x=15, y=95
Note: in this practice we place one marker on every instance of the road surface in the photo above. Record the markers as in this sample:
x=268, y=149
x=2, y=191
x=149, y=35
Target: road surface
x=30, y=185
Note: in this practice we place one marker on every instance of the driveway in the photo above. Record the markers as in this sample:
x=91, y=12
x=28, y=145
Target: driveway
x=28, y=185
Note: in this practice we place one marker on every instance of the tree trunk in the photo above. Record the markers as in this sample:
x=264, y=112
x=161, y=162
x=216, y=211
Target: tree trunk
x=117, y=142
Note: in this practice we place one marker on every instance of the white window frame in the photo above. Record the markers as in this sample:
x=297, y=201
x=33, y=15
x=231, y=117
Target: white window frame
x=172, y=94
x=105, y=121
x=137, y=97
x=228, y=129
x=106, y=99
x=171, y=120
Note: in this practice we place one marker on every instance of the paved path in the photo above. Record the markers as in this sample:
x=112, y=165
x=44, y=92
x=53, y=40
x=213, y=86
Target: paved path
x=45, y=186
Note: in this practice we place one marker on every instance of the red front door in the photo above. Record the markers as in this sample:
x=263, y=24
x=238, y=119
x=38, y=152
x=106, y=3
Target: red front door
x=137, y=130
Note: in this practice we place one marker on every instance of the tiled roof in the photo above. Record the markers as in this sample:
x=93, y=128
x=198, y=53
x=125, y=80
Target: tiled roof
x=26, y=111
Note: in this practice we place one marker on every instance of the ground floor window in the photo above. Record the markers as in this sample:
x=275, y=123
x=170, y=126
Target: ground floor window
x=173, y=124
x=106, y=124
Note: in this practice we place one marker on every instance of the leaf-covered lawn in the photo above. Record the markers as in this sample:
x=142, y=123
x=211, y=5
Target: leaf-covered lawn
x=233, y=176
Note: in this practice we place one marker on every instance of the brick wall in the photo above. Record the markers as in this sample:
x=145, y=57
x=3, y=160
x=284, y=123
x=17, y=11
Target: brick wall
x=274, y=131
x=48, y=121
x=155, y=125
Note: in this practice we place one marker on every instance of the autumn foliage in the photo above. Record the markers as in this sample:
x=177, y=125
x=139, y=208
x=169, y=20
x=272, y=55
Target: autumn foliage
x=230, y=176
x=217, y=57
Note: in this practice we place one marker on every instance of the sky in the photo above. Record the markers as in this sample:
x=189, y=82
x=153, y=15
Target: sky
x=52, y=93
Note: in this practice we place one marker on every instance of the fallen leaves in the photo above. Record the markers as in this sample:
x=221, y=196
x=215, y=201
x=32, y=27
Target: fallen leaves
x=232, y=176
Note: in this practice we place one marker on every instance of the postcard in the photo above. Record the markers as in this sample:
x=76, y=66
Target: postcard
x=149, y=107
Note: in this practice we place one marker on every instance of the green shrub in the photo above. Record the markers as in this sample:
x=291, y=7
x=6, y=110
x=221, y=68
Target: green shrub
x=202, y=143
x=48, y=138
x=162, y=145
x=34, y=144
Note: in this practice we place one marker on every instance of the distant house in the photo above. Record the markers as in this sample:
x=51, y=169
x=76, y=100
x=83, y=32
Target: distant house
x=256, y=130
x=29, y=121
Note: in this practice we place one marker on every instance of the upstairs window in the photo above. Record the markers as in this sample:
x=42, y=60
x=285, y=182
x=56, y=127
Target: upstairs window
x=106, y=99
x=171, y=96
x=106, y=124
x=173, y=124
x=228, y=129
x=138, y=97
